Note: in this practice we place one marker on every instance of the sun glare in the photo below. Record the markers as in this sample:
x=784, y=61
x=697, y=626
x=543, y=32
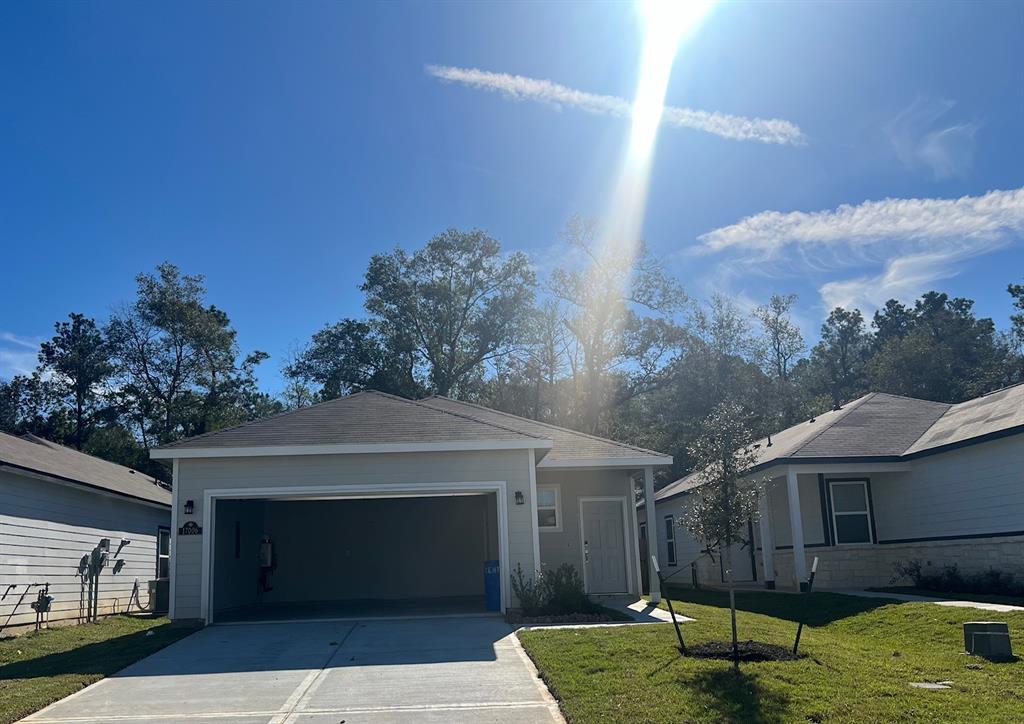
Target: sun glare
x=665, y=24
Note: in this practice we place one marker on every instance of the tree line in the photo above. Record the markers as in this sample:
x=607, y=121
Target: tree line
x=607, y=343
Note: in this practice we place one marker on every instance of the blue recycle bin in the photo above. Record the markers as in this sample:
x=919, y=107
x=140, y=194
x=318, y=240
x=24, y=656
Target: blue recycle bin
x=492, y=585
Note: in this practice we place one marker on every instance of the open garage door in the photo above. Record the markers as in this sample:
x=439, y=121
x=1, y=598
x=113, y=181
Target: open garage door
x=285, y=558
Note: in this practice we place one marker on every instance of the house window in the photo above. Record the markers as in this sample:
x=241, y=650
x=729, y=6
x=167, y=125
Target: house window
x=851, y=517
x=163, y=553
x=670, y=540
x=549, y=508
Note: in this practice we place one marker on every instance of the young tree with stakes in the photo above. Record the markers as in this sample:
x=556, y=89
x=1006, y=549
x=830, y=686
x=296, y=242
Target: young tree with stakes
x=725, y=499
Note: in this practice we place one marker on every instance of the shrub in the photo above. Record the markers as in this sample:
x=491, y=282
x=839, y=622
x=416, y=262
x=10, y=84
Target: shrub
x=557, y=592
x=563, y=588
x=530, y=592
x=950, y=580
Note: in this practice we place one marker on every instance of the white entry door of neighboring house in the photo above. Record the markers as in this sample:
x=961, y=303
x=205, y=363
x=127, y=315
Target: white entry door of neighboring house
x=604, y=545
x=743, y=569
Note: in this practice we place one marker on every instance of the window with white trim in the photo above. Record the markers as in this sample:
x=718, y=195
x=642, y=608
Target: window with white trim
x=549, y=508
x=670, y=540
x=163, y=553
x=851, y=517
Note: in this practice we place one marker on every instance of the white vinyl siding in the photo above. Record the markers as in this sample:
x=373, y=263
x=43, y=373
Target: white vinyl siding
x=46, y=528
x=974, y=490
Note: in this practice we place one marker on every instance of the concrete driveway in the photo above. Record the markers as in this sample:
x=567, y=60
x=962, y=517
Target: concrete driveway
x=423, y=670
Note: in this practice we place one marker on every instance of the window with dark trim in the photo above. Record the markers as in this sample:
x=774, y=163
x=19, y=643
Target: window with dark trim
x=670, y=540
x=851, y=511
x=163, y=552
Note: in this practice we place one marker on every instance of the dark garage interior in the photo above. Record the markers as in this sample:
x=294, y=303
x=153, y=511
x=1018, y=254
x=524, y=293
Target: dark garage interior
x=331, y=558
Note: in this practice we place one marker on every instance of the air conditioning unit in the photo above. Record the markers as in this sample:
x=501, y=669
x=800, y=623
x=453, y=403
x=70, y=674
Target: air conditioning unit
x=159, y=595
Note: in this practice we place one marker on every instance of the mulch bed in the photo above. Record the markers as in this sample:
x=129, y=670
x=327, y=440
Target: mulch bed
x=749, y=651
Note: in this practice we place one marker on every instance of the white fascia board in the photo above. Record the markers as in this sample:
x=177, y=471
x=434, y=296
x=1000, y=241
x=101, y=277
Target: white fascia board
x=347, y=449
x=638, y=462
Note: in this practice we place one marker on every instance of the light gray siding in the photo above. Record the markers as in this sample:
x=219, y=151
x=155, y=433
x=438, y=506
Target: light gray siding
x=973, y=490
x=687, y=547
x=196, y=475
x=46, y=528
x=810, y=511
x=561, y=547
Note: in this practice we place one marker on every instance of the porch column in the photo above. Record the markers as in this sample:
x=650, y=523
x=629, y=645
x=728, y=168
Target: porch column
x=653, y=534
x=767, y=540
x=797, y=526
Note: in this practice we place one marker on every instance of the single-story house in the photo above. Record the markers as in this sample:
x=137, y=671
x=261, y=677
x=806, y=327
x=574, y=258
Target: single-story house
x=56, y=506
x=395, y=505
x=884, y=479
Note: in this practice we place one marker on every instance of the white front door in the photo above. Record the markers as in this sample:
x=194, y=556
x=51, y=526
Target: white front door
x=604, y=546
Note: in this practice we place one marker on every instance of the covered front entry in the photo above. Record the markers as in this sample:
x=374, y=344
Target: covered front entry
x=294, y=557
x=605, y=567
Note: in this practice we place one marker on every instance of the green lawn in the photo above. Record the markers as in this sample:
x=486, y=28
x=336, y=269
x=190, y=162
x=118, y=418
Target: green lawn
x=39, y=668
x=862, y=655
x=983, y=597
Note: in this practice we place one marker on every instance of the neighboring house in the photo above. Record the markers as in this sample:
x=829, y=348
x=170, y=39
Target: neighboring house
x=883, y=479
x=56, y=505
x=396, y=504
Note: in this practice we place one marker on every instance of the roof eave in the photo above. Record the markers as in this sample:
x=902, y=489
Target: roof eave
x=608, y=462
x=347, y=448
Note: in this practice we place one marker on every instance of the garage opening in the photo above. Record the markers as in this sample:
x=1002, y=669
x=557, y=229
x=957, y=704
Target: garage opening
x=278, y=559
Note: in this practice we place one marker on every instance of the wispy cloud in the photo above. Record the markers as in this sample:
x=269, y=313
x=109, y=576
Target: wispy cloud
x=521, y=88
x=911, y=242
x=921, y=140
x=18, y=355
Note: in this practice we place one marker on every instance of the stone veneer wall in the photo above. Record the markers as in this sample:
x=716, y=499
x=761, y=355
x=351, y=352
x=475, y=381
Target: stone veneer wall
x=862, y=566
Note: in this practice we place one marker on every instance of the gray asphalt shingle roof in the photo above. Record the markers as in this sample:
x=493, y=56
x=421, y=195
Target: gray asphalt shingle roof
x=880, y=425
x=369, y=418
x=48, y=458
x=568, y=445
x=365, y=418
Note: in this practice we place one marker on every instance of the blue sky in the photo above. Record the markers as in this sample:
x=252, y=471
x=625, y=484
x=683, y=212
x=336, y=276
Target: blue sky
x=275, y=147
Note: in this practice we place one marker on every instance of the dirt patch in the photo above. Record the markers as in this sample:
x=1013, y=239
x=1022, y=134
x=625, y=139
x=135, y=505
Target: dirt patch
x=749, y=651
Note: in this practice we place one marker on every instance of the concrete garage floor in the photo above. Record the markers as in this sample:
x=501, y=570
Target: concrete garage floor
x=366, y=609
x=424, y=670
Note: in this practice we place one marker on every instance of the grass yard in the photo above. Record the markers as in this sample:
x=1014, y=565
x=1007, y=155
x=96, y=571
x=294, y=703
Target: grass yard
x=37, y=669
x=862, y=655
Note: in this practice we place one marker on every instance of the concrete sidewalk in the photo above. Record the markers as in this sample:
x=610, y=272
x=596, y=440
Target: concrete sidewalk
x=958, y=603
x=424, y=670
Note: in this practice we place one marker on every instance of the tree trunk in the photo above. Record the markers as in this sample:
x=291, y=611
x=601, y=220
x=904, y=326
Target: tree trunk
x=732, y=607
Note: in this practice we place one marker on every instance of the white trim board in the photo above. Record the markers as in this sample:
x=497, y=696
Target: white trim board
x=625, y=541
x=313, y=492
x=174, y=538
x=348, y=449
